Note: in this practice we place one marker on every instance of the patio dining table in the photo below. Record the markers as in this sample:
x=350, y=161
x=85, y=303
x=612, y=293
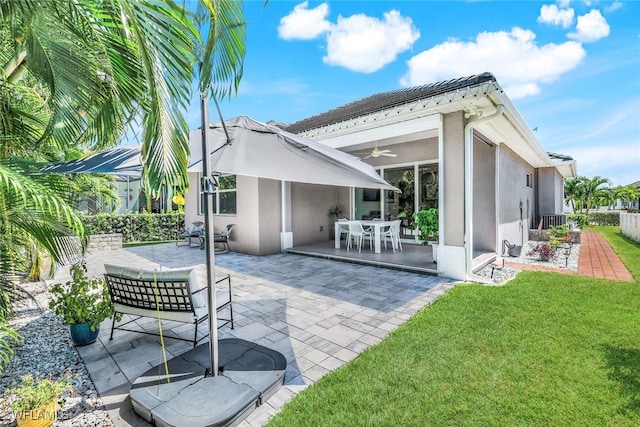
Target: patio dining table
x=377, y=226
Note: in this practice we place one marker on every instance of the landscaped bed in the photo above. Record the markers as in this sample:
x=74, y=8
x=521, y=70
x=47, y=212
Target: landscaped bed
x=544, y=349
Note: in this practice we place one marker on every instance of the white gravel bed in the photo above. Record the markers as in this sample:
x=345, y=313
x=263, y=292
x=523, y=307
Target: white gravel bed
x=497, y=274
x=47, y=350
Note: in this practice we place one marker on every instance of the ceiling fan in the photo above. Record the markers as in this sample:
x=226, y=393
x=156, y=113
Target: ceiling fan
x=376, y=152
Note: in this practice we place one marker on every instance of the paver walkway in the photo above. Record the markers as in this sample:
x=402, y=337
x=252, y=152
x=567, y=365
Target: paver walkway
x=598, y=259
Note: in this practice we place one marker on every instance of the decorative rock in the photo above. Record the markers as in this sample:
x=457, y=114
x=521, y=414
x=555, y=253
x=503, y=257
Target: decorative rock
x=47, y=350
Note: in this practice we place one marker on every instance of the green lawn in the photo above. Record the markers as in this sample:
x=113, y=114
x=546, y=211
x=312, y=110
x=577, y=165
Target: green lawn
x=545, y=349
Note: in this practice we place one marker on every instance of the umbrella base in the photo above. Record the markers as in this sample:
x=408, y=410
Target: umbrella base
x=250, y=374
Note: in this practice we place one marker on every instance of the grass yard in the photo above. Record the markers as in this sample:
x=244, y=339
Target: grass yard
x=545, y=349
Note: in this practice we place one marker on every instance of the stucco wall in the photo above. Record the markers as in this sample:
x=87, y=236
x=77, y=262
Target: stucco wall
x=309, y=211
x=484, y=201
x=513, y=190
x=453, y=175
x=253, y=234
x=550, y=191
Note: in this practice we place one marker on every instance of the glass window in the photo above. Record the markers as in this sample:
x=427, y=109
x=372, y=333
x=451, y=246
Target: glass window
x=428, y=186
x=224, y=198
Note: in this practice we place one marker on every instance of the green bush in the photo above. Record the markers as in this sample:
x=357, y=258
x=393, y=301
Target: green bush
x=604, y=218
x=136, y=227
x=557, y=234
x=580, y=220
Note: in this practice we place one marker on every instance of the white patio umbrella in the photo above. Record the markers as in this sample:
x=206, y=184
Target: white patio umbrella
x=266, y=151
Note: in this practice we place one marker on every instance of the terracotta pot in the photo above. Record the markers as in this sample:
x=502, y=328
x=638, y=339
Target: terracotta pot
x=43, y=416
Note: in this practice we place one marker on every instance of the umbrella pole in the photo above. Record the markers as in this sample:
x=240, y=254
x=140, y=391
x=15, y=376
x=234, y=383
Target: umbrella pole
x=208, y=190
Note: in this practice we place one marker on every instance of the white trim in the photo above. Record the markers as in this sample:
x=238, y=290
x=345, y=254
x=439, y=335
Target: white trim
x=441, y=204
x=497, y=199
x=443, y=103
x=398, y=129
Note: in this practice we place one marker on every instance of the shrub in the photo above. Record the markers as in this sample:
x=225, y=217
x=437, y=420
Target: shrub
x=136, y=227
x=579, y=219
x=557, y=234
x=33, y=393
x=604, y=218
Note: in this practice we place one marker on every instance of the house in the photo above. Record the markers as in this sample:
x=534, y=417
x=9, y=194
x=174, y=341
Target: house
x=458, y=145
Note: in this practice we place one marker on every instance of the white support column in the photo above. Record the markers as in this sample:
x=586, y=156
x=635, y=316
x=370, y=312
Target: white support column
x=286, y=235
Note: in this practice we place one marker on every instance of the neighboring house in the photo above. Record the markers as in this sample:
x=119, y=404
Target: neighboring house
x=459, y=145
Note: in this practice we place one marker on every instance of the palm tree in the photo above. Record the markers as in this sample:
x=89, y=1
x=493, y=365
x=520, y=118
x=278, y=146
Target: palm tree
x=592, y=191
x=572, y=193
x=79, y=73
x=626, y=193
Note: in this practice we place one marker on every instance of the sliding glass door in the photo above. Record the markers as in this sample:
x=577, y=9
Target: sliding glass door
x=418, y=186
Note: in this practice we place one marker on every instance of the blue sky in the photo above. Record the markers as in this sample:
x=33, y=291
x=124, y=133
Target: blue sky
x=571, y=68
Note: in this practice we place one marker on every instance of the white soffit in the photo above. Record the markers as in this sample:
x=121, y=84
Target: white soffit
x=361, y=135
x=567, y=169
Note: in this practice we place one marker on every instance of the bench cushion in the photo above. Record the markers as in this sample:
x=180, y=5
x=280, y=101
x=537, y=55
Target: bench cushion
x=120, y=271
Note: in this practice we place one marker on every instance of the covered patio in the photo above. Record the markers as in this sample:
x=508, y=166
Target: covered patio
x=412, y=258
x=318, y=313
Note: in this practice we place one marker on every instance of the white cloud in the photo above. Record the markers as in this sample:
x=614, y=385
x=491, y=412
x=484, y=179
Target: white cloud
x=590, y=27
x=303, y=23
x=365, y=44
x=613, y=6
x=359, y=42
x=551, y=14
x=514, y=57
x=618, y=161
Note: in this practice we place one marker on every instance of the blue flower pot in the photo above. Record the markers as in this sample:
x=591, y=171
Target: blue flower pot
x=81, y=333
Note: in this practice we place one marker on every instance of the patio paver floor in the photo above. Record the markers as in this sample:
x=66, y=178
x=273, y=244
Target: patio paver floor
x=318, y=313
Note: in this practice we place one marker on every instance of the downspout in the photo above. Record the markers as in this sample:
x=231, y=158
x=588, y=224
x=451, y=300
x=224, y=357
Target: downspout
x=468, y=188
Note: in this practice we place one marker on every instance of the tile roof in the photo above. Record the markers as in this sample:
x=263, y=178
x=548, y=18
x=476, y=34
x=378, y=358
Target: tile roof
x=384, y=100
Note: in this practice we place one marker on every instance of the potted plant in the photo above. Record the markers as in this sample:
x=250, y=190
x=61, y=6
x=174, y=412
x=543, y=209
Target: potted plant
x=37, y=400
x=428, y=225
x=335, y=212
x=83, y=304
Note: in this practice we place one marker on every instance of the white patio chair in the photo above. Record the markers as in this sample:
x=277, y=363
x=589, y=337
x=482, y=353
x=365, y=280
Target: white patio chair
x=344, y=227
x=356, y=231
x=393, y=233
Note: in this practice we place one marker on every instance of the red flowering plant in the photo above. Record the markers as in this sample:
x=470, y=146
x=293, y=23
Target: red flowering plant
x=544, y=250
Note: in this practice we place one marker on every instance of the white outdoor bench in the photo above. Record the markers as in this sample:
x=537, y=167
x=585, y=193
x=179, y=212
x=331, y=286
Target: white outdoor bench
x=168, y=295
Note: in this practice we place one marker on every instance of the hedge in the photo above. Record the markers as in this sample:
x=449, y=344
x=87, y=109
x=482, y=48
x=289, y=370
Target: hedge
x=604, y=218
x=136, y=227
